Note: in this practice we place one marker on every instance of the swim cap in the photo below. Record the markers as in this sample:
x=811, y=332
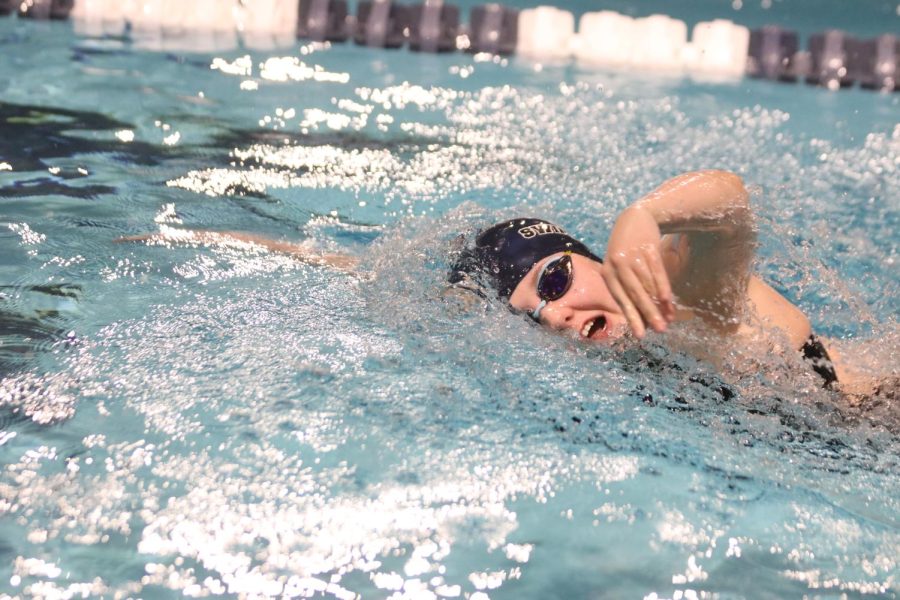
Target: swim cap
x=504, y=253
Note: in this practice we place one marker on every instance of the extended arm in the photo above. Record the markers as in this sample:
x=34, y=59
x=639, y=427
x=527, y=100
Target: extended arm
x=231, y=238
x=708, y=267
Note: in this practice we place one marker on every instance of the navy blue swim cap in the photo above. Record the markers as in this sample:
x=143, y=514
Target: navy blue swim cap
x=504, y=253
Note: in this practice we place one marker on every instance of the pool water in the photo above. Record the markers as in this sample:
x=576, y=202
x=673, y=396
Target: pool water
x=224, y=421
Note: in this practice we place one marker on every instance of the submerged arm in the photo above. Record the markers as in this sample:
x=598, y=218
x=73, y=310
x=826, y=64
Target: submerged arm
x=711, y=270
x=341, y=262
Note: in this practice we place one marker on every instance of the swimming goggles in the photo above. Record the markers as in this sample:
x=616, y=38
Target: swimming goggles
x=554, y=280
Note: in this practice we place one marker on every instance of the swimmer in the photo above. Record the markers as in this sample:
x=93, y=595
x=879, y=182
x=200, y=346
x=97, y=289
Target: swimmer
x=682, y=253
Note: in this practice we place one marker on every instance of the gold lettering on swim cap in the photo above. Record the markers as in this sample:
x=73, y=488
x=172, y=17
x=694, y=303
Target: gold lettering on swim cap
x=540, y=229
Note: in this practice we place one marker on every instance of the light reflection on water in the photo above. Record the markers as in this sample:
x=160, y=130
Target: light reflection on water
x=231, y=421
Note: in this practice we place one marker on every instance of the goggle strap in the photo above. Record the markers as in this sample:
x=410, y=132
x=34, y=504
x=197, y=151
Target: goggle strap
x=536, y=313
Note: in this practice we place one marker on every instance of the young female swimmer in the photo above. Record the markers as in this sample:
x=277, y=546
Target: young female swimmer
x=693, y=239
x=681, y=253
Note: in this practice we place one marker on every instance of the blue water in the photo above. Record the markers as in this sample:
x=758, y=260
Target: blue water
x=195, y=421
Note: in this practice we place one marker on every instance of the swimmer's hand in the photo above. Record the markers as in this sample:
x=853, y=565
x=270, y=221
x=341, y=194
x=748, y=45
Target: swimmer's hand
x=712, y=210
x=171, y=235
x=635, y=273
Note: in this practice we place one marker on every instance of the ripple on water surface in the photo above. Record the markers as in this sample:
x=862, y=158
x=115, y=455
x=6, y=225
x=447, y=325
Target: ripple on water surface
x=241, y=423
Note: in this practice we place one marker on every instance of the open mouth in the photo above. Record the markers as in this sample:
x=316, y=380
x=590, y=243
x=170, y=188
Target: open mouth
x=593, y=327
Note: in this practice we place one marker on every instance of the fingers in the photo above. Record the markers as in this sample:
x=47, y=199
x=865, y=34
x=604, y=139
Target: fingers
x=639, y=295
x=663, y=292
x=640, y=285
x=640, y=268
x=167, y=235
x=133, y=238
x=635, y=322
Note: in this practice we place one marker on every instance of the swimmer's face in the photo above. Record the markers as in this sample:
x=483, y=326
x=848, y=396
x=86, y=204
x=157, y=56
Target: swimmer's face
x=587, y=308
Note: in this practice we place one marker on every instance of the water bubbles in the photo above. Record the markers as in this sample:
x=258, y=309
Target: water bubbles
x=236, y=422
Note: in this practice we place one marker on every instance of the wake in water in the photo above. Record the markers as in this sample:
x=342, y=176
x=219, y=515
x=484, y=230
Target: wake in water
x=234, y=421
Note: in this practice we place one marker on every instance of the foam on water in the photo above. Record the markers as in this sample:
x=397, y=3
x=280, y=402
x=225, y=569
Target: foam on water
x=233, y=421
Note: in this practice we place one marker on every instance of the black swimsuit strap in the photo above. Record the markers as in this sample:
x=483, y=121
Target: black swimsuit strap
x=815, y=353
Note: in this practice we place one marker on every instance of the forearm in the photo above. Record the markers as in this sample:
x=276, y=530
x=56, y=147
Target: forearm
x=298, y=251
x=714, y=201
x=708, y=269
x=231, y=238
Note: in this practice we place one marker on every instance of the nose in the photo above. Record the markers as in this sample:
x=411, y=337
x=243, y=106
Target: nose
x=558, y=315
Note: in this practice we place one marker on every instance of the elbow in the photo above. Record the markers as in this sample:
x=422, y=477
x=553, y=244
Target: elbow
x=738, y=202
x=734, y=183
x=723, y=187
x=734, y=199
x=730, y=185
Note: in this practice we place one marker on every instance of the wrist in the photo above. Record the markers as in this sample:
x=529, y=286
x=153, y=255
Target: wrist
x=641, y=212
x=646, y=205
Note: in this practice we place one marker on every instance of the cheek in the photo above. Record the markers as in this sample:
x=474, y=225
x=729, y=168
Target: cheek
x=617, y=325
x=592, y=286
x=591, y=293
